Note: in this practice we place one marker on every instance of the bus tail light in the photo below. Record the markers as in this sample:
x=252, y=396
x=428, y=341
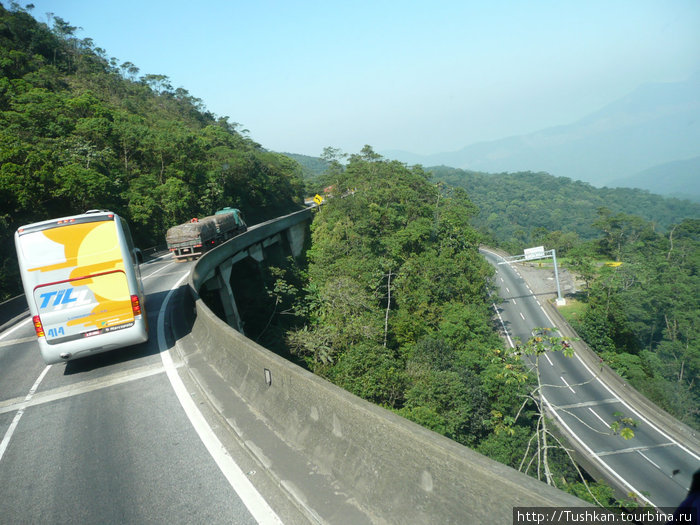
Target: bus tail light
x=38, y=326
x=135, y=305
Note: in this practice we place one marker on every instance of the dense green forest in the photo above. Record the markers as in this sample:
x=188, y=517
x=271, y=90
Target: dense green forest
x=393, y=305
x=643, y=315
x=518, y=210
x=79, y=130
x=312, y=167
x=392, y=302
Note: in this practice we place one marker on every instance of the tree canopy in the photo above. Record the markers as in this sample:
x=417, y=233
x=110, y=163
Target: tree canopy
x=78, y=130
x=518, y=210
x=396, y=307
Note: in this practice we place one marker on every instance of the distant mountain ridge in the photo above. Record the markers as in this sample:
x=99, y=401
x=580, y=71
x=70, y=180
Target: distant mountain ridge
x=680, y=179
x=655, y=124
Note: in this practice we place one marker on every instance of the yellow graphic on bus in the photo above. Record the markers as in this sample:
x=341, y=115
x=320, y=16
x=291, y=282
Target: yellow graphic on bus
x=92, y=251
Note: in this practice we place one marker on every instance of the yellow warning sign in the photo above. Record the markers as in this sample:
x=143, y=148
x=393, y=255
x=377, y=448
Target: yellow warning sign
x=318, y=199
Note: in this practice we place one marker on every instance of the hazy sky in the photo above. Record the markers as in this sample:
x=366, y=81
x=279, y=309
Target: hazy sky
x=421, y=76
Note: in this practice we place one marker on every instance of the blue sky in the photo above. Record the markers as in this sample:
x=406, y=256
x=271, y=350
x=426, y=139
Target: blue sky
x=420, y=76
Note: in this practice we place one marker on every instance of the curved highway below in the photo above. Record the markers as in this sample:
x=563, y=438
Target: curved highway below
x=107, y=439
x=201, y=425
x=652, y=465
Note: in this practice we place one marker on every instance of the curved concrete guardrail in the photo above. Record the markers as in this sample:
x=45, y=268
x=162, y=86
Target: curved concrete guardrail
x=681, y=432
x=340, y=458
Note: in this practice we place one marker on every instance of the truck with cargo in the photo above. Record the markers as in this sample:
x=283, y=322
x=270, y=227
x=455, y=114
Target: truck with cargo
x=190, y=240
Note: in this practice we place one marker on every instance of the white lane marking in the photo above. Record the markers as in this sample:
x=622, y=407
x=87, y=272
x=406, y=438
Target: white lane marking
x=15, y=421
x=637, y=414
x=505, y=330
x=514, y=301
x=252, y=499
x=15, y=328
x=567, y=384
x=650, y=461
x=21, y=340
x=155, y=272
x=549, y=360
x=521, y=315
x=507, y=289
x=633, y=449
x=601, y=419
x=157, y=259
x=82, y=387
x=590, y=451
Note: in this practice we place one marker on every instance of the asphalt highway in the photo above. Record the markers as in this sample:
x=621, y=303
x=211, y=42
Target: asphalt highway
x=106, y=439
x=651, y=465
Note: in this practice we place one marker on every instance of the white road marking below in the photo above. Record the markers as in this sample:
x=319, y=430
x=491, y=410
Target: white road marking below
x=15, y=328
x=650, y=461
x=144, y=277
x=601, y=419
x=593, y=454
x=19, y=341
x=567, y=384
x=251, y=498
x=633, y=411
x=82, y=387
x=505, y=330
x=15, y=421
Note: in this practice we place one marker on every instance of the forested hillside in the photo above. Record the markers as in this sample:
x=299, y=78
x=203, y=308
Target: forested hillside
x=79, y=130
x=518, y=210
x=643, y=315
x=393, y=304
x=642, y=312
x=394, y=307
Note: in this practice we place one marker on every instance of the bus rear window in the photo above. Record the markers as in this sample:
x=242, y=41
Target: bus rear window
x=81, y=244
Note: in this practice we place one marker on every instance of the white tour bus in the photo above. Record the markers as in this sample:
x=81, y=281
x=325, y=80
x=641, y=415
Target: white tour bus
x=82, y=283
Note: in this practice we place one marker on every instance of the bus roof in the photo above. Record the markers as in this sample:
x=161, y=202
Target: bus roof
x=89, y=216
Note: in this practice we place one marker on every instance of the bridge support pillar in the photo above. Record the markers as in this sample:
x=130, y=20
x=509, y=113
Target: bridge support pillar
x=295, y=237
x=223, y=282
x=256, y=253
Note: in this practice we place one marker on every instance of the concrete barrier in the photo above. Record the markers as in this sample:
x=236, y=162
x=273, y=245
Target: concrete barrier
x=381, y=467
x=682, y=433
x=12, y=311
x=396, y=471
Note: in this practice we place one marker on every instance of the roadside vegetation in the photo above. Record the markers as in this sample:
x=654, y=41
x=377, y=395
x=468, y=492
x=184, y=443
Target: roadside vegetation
x=391, y=302
x=80, y=130
x=393, y=305
x=638, y=256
